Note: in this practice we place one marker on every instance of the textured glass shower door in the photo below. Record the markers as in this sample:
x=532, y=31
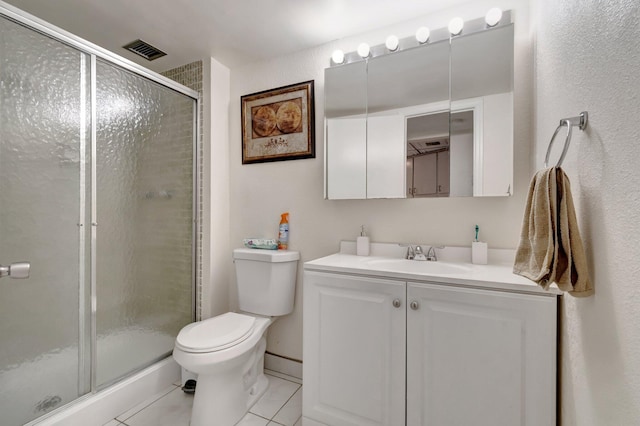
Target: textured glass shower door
x=44, y=337
x=144, y=252
x=97, y=177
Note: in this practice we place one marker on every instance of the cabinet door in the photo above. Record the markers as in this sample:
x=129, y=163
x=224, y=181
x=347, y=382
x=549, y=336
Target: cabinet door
x=346, y=158
x=354, y=350
x=425, y=178
x=443, y=173
x=410, y=189
x=478, y=357
x=386, y=156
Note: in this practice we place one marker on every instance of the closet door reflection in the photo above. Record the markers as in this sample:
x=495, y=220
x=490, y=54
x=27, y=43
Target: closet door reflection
x=144, y=260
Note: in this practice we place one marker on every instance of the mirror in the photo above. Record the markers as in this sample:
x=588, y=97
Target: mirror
x=435, y=120
x=482, y=88
x=345, y=108
x=409, y=83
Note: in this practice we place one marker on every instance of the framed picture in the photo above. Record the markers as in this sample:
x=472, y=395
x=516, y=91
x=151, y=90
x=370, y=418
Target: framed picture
x=278, y=124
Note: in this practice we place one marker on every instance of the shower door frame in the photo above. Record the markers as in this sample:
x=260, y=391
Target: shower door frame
x=36, y=24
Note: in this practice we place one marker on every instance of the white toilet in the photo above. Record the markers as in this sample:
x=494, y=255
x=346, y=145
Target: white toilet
x=227, y=351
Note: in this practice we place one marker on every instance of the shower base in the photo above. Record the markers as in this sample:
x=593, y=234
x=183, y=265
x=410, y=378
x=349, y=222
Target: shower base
x=54, y=389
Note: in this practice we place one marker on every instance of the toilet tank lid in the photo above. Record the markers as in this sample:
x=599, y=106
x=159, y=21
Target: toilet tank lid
x=266, y=255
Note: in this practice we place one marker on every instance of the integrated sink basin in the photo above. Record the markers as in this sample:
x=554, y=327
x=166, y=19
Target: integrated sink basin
x=418, y=267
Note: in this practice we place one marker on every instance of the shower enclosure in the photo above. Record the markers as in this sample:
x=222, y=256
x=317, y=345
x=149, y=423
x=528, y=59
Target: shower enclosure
x=97, y=178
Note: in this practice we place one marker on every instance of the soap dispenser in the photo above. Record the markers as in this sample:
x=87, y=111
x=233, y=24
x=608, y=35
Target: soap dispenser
x=362, y=243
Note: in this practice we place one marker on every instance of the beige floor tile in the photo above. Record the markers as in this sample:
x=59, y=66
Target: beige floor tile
x=174, y=409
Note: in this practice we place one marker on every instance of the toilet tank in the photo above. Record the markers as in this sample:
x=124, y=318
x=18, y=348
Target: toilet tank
x=266, y=280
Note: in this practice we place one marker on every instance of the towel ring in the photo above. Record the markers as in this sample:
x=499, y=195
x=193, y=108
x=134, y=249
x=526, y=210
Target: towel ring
x=580, y=121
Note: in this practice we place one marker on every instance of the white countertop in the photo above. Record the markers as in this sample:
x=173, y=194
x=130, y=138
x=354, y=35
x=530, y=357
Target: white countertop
x=449, y=270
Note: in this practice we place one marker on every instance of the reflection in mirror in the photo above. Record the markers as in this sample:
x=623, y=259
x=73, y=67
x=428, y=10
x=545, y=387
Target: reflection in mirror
x=413, y=77
x=461, y=129
x=428, y=155
x=346, y=131
x=482, y=84
x=408, y=83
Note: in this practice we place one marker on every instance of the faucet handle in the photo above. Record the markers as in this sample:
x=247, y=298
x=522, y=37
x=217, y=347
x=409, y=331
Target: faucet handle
x=431, y=254
x=410, y=252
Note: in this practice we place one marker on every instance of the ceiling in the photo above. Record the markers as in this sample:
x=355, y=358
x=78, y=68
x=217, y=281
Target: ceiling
x=235, y=32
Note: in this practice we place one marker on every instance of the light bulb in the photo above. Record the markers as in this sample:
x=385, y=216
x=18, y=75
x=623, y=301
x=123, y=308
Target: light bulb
x=422, y=35
x=455, y=26
x=392, y=43
x=364, y=50
x=337, y=56
x=493, y=16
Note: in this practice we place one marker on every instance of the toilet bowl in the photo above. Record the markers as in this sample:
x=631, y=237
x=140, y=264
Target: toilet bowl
x=227, y=354
x=227, y=351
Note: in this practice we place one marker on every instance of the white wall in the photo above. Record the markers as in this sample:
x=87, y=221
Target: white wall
x=461, y=164
x=260, y=192
x=217, y=263
x=588, y=58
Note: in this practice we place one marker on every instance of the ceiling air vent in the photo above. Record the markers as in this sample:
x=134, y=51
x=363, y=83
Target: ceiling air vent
x=145, y=50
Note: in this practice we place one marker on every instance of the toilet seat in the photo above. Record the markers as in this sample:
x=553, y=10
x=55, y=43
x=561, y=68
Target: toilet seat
x=215, y=334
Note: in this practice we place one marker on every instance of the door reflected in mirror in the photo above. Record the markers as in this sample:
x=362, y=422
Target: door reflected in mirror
x=428, y=155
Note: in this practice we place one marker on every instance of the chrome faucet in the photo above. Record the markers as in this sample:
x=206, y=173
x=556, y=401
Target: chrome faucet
x=419, y=255
x=415, y=252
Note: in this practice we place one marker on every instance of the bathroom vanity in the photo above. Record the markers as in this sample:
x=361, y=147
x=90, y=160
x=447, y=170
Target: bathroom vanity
x=390, y=341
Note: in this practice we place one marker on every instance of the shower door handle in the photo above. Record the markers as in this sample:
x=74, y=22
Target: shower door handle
x=16, y=270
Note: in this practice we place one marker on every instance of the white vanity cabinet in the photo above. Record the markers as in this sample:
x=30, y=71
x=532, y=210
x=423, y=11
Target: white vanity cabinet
x=399, y=352
x=354, y=350
x=479, y=357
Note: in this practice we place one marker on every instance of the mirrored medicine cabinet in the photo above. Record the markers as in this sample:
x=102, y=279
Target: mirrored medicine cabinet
x=434, y=120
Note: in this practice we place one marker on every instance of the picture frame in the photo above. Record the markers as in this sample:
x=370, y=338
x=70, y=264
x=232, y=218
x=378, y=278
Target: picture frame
x=279, y=124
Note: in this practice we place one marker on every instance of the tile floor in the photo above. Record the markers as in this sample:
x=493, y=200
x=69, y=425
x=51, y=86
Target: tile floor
x=281, y=405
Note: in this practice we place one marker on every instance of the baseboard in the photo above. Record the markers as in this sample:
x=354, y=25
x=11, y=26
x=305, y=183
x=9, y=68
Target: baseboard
x=283, y=365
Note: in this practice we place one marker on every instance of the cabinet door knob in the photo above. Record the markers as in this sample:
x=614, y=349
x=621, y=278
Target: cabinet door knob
x=414, y=305
x=397, y=303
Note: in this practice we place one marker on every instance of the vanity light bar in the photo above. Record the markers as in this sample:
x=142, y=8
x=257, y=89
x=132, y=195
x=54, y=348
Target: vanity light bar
x=494, y=18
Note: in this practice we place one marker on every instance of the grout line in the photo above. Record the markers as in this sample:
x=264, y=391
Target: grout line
x=257, y=415
x=147, y=403
x=287, y=401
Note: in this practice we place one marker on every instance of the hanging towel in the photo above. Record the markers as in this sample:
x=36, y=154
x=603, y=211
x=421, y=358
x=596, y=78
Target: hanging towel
x=550, y=248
